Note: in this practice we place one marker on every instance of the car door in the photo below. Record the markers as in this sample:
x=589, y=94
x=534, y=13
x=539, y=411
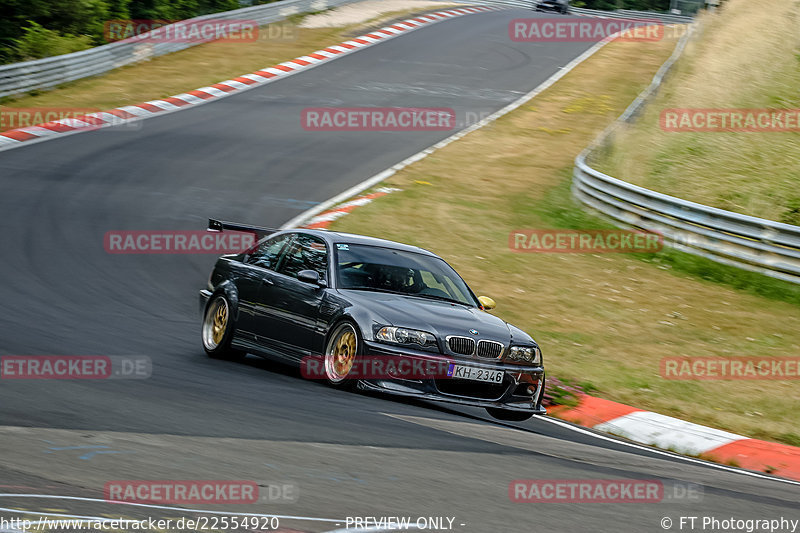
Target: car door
x=258, y=271
x=294, y=306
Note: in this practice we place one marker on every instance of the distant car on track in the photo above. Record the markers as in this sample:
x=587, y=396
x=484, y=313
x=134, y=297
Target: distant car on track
x=340, y=297
x=559, y=6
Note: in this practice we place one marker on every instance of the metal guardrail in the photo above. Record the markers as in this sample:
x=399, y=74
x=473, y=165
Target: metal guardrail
x=755, y=244
x=20, y=78
x=666, y=18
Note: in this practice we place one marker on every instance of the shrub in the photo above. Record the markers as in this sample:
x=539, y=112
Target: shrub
x=38, y=42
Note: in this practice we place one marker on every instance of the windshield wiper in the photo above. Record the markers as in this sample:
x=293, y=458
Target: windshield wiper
x=418, y=295
x=442, y=298
x=376, y=289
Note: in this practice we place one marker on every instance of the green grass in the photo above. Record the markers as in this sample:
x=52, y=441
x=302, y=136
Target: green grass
x=746, y=58
x=561, y=210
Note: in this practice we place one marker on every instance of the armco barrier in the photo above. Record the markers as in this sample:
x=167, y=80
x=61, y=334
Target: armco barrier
x=667, y=18
x=755, y=244
x=20, y=78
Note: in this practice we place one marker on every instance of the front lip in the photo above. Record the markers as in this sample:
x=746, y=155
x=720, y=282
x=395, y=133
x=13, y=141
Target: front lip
x=384, y=387
x=380, y=348
x=515, y=375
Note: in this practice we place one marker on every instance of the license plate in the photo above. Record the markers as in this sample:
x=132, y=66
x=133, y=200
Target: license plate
x=474, y=374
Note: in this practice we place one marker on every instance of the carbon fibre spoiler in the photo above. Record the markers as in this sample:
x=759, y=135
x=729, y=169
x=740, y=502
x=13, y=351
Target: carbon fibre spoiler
x=221, y=225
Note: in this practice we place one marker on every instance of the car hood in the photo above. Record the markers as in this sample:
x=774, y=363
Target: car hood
x=438, y=317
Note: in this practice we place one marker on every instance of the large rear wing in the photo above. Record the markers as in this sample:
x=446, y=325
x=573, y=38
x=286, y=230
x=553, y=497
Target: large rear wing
x=221, y=225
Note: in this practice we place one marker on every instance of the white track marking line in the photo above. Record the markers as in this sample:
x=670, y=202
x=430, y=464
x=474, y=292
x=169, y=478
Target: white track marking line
x=375, y=529
x=656, y=451
x=303, y=217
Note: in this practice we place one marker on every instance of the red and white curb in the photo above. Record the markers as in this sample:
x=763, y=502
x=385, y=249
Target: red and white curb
x=324, y=219
x=677, y=435
x=131, y=113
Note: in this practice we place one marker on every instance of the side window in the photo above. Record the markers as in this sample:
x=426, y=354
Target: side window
x=305, y=252
x=267, y=254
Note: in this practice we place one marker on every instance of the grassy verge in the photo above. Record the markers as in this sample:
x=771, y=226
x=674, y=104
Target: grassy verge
x=748, y=57
x=604, y=320
x=195, y=67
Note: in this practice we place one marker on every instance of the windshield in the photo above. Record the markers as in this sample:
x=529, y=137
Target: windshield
x=388, y=270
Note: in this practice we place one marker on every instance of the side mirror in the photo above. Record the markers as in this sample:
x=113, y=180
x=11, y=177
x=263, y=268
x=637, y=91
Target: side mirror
x=312, y=277
x=487, y=302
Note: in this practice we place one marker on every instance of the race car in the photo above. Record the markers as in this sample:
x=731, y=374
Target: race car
x=559, y=6
x=363, y=312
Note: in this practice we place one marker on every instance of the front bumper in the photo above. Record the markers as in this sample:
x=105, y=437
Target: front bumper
x=521, y=390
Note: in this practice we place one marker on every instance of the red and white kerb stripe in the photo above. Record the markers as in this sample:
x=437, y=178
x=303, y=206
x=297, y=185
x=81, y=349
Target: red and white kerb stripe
x=324, y=219
x=16, y=137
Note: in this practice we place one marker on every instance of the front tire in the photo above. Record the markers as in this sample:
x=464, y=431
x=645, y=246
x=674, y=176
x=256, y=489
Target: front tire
x=341, y=351
x=217, y=329
x=509, y=416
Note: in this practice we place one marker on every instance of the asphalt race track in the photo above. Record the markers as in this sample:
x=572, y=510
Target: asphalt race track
x=246, y=158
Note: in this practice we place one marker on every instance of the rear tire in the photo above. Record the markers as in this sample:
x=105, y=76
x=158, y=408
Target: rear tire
x=509, y=416
x=217, y=330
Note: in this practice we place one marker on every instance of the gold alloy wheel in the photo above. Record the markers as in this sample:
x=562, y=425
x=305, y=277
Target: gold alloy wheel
x=341, y=353
x=216, y=323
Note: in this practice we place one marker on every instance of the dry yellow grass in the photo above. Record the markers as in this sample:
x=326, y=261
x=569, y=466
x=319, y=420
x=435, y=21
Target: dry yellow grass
x=747, y=56
x=604, y=319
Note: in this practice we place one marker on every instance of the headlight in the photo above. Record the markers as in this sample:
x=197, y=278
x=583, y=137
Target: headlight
x=405, y=336
x=530, y=354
